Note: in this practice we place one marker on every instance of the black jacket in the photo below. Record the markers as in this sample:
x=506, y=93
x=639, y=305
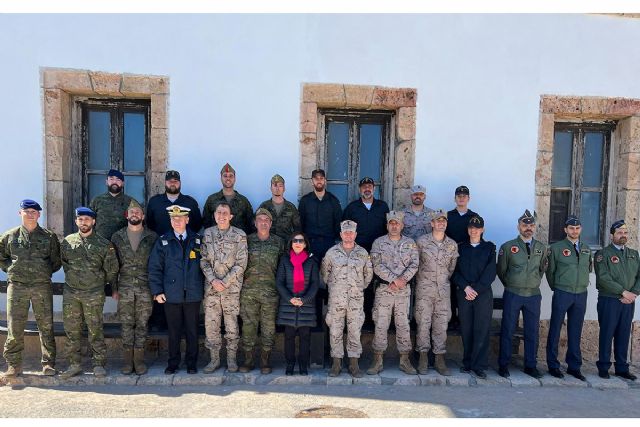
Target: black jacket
x=457, y=225
x=288, y=314
x=372, y=223
x=476, y=267
x=320, y=218
x=175, y=273
x=157, y=217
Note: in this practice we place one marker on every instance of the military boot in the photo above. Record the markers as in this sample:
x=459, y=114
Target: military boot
x=214, y=363
x=423, y=363
x=354, y=369
x=127, y=356
x=138, y=361
x=265, y=367
x=99, y=371
x=232, y=366
x=441, y=366
x=48, y=370
x=405, y=364
x=336, y=367
x=72, y=371
x=249, y=363
x=376, y=364
x=13, y=371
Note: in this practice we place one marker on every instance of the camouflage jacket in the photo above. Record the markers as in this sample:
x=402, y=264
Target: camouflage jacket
x=416, y=225
x=437, y=263
x=133, y=264
x=89, y=263
x=287, y=222
x=262, y=263
x=29, y=257
x=346, y=274
x=393, y=259
x=240, y=209
x=110, y=213
x=224, y=257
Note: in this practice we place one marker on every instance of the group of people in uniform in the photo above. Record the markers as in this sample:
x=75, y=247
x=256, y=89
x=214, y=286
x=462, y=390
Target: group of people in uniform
x=272, y=267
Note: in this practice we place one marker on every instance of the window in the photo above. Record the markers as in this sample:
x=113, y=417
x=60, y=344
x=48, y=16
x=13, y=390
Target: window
x=115, y=135
x=356, y=146
x=579, y=179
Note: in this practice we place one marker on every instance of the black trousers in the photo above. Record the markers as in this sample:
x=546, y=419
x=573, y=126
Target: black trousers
x=183, y=317
x=614, y=319
x=475, y=328
x=304, y=332
x=574, y=306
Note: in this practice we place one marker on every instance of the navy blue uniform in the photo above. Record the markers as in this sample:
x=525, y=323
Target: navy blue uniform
x=157, y=218
x=320, y=220
x=457, y=225
x=372, y=223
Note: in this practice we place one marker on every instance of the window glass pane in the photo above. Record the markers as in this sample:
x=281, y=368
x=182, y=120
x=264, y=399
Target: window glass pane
x=99, y=140
x=134, y=186
x=560, y=202
x=562, y=150
x=134, y=131
x=370, y=150
x=97, y=186
x=341, y=191
x=337, y=150
x=590, y=217
x=593, y=151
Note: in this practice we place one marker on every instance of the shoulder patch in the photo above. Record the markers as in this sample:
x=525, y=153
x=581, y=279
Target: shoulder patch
x=515, y=249
x=501, y=252
x=164, y=242
x=599, y=258
x=197, y=241
x=566, y=252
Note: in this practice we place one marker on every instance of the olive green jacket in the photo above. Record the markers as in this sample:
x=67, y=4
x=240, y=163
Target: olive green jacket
x=567, y=271
x=133, y=264
x=89, y=263
x=519, y=273
x=617, y=272
x=29, y=258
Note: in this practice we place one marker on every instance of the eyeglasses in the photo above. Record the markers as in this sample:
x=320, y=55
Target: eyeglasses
x=297, y=240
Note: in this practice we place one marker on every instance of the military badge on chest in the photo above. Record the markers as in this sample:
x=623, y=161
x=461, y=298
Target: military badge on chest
x=566, y=252
x=615, y=259
x=515, y=249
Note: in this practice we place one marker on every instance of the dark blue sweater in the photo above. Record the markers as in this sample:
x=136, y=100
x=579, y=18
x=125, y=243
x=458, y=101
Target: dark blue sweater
x=476, y=267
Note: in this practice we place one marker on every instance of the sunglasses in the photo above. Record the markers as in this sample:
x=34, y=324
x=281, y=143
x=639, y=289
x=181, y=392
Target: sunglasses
x=297, y=240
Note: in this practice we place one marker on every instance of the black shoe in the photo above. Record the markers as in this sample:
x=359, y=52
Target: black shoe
x=555, y=372
x=626, y=375
x=503, y=371
x=533, y=372
x=289, y=370
x=192, y=370
x=465, y=370
x=604, y=374
x=577, y=374
x=480, y=374
x=303, y=369
x=169, y=370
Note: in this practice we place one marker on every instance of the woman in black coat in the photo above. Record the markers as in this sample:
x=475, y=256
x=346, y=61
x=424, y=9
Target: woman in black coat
x=297, y=281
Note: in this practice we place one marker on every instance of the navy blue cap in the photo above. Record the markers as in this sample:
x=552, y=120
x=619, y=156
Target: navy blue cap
x=366, y=180
x=572, y=220
x=463, y=189
x=476, y=222
x=30, y=204
x=116, y=173
x=618, y=224
x=85, y=211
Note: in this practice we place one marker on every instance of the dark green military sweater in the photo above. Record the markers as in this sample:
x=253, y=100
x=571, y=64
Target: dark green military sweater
x=567, y=271
x=617, y=271
x=518, y=272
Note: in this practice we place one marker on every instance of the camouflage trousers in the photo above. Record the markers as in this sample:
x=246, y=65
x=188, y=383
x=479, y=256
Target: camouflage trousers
x=432, y=318
x=75, y=308
x=258, y=308
x=216, y=307
x=18, y=298
x=385, y=305
x=351, y=311
x=134, y=309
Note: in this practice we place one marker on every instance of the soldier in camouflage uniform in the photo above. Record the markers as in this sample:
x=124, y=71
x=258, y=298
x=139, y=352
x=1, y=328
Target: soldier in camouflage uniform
x=111, y=206
x=347, y=271
x=223, y=262
x=286, y=219
x=395, y=261
x=241, y=210
x=259, y=297
x=133, y=245
x=417, y=217
x=89, y=261
x=29, y=254
x=438, y=255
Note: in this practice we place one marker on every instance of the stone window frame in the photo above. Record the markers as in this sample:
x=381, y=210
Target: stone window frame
x=624, y=174
x=401, y=101
x=59, y=89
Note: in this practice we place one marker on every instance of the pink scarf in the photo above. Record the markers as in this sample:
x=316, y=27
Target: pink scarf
x=298, y=271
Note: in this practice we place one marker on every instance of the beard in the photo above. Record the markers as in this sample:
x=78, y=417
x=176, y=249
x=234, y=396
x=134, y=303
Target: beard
x=319, y=187
x=172, y=191
x=134, y=221
x=115, y=188
x=417, y=202
x=84, y=228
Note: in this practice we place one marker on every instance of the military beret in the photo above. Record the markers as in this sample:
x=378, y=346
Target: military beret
x=172, y=175
x=572, y=220
x=366, y=180
x=84, y=211
x=263, y=211
x=618, y=224
x=418, y=189
x=527, y=218
x=463, y=189
x=116, y=173
x=277, y=178
x=227, y=168
x=438, y=213
x=395, y=216
x=134, y=204
x=30, y=204
x=476, y=222
x=348, y=225
x=318, y=172
x=176, y=210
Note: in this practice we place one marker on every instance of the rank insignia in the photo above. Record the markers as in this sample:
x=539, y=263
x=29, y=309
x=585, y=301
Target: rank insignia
x=538, y=251
x=192, y=255
x=500, y=252
x=515, y=249
x=566, y=252
x=599, y=258
x=615, y=259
